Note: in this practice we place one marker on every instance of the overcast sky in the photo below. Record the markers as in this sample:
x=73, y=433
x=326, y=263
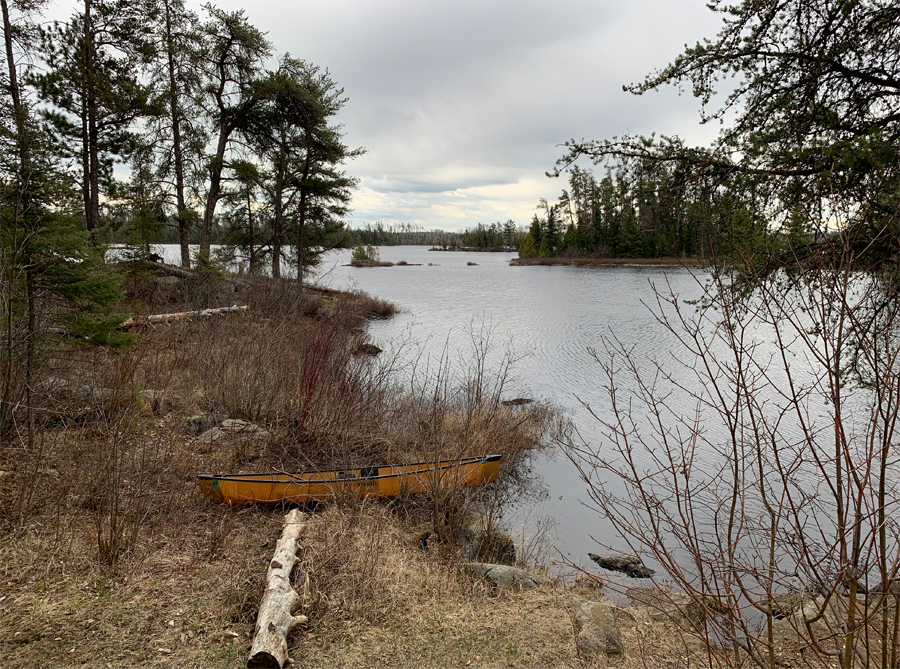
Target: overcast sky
x=462, y=105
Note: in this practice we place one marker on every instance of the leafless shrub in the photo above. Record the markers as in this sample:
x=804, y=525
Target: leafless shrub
x=759, y=465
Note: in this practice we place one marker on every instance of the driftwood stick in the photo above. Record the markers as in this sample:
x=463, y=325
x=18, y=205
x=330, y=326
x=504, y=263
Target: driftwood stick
x=179, y=316
x=275, y=618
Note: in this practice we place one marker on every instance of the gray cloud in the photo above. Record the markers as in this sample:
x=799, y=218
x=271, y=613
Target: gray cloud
x=462, y=104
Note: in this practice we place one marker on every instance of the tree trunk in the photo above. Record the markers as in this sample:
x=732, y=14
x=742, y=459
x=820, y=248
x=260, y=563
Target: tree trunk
x=275, y=618
x=92, y=215
x=301, y=219
x=250, y=234
x=21, y=214
x=85, y=163
x=212, y=197
x=278, y=213
x=175, y=113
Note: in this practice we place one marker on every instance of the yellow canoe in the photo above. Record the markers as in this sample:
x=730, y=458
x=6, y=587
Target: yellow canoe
x=315, y=486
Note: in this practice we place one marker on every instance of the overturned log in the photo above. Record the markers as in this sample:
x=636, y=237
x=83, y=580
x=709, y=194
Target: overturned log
x=179, y=316
x=174, y=270
x=275, y=618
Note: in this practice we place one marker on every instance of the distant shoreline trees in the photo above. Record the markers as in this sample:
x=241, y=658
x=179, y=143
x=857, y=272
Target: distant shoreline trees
x=644, y=209
x=494, y=237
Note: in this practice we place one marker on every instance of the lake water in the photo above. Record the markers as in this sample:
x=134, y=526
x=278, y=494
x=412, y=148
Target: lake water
x=549, y=318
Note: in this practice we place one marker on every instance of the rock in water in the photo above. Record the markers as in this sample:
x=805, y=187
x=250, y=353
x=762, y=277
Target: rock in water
x=519, y=401
x=630, y=565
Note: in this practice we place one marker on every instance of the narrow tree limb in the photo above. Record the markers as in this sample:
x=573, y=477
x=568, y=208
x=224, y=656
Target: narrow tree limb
x=179, y=316
x=275, y=618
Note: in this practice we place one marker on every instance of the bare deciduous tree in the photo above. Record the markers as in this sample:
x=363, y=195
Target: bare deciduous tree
x=759, y=463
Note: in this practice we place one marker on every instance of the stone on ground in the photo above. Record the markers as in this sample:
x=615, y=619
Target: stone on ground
x=596, y=630
x=504, y=577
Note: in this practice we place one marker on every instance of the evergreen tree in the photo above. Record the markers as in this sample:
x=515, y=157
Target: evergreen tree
x=817, y=113
x=176, y=131
x=231, y=58
x=93, y=90
x=309, y=190
x=244, y=230
x=51, y=275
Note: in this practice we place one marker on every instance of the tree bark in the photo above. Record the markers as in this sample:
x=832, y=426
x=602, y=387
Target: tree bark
x=275, y=618
x=278, y=214
x=175, y=113
x=215, y=190
x=179, y=316
x=92, y=215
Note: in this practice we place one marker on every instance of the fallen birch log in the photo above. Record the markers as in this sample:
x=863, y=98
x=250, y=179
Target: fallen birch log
x=179, y=316
x=275, y=618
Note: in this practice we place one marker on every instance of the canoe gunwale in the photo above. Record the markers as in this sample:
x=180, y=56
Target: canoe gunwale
x=296, y=477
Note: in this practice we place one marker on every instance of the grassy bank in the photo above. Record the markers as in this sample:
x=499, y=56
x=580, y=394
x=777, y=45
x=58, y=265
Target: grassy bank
x=109, y=555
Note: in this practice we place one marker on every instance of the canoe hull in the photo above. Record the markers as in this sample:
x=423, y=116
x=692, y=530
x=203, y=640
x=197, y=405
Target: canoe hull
x=384, y=481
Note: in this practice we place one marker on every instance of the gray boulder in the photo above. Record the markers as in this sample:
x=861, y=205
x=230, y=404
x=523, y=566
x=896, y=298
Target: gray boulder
x=484, y=541
x=244, y=439
x=504, y=577
x=197, y=425
x=596, y=630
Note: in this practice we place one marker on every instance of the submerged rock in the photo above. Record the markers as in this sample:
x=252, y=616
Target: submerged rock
x=504, y=577
x=630, y=565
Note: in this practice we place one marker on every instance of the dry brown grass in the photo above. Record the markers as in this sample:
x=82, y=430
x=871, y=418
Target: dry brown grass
x=109, y=555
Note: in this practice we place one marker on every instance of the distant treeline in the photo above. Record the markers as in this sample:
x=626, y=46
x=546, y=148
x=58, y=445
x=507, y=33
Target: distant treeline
x=495, y=237
x=641, y=209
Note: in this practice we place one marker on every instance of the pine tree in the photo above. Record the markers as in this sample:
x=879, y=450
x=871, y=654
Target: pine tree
x=230, y=61
x=93, y=90
x=310, y=191
x=176, y=131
